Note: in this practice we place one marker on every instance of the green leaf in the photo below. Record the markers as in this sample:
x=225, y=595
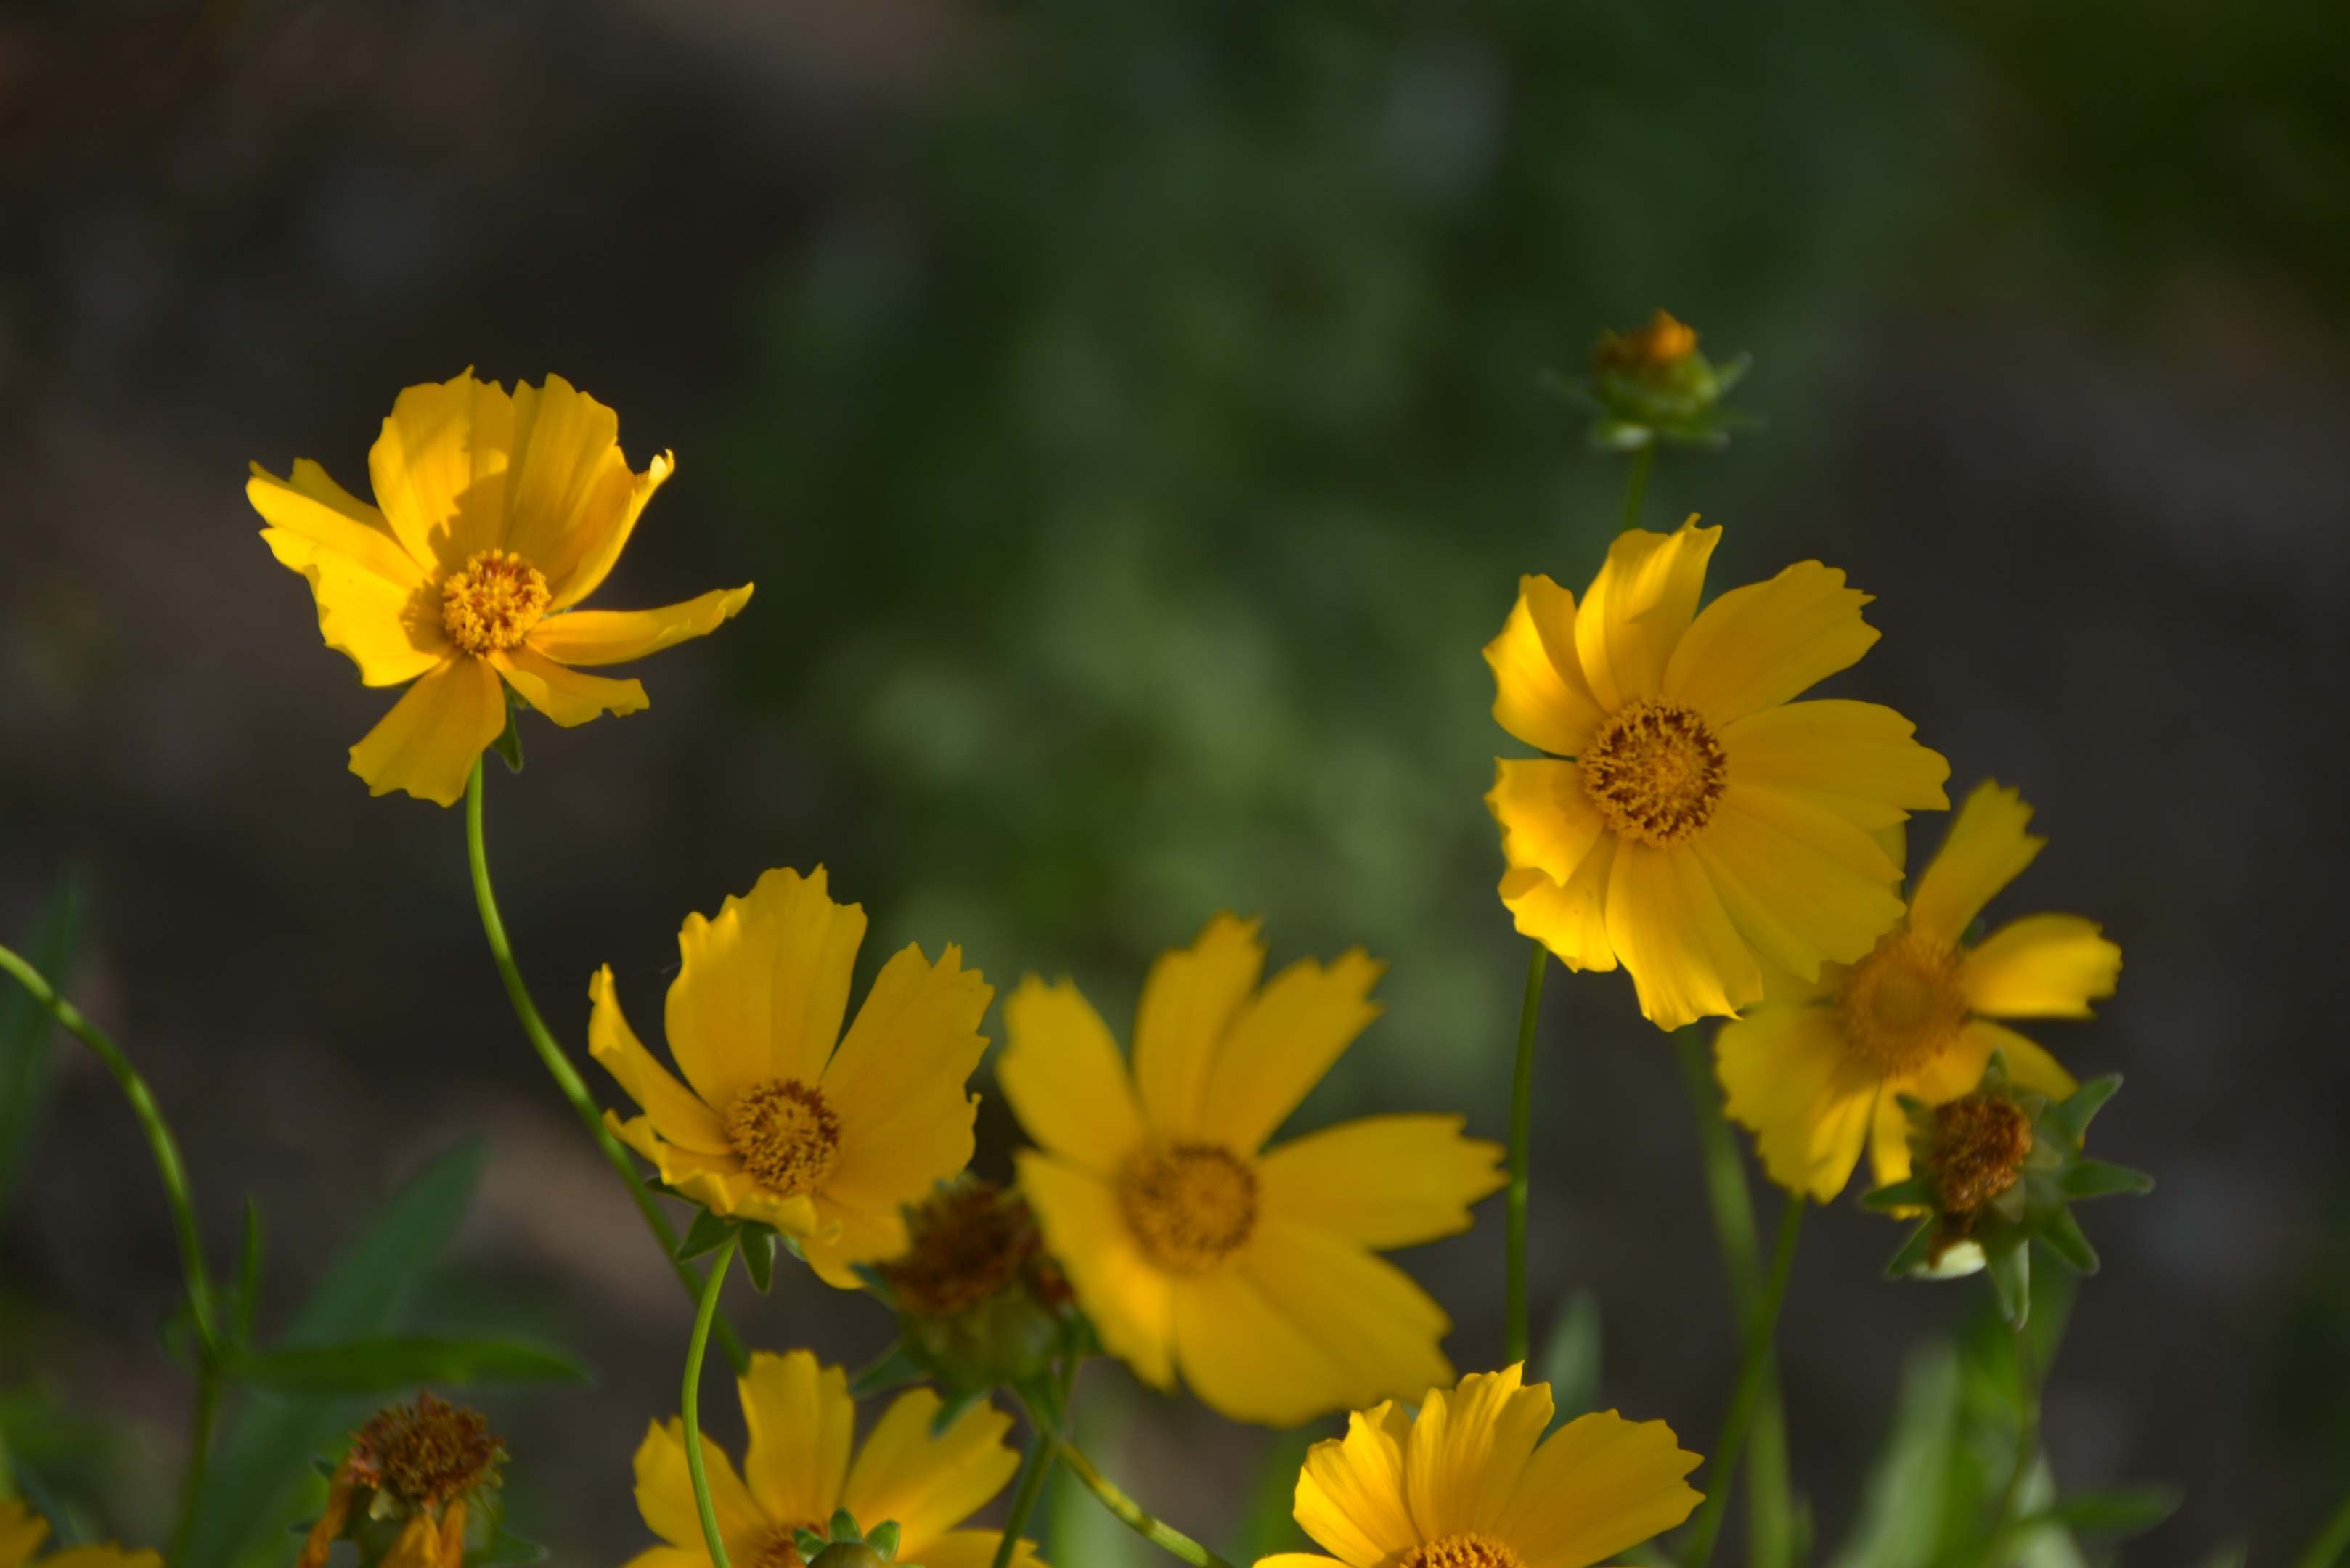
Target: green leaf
x=258, y=1467
x=27, y=1036
x=505, y=1550
x=1906, y=1497
x=707, y=1234
x=1913, y=1193
x=2062, y=1235
x=1915, y=1254
x=2112, y=1515
x=1570, y=1361
x=391, y=1365
x=2011, y=1278
x=508, y=744
x=2083, y=1104
x=2095, y=1178
x=893, y=1368
x=759, y=1256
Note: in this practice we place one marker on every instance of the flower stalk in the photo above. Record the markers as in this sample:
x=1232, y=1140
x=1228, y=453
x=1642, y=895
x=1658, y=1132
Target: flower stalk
x=567, y=1076
x=1636, y=485
x=1033, y=1471
x=1515, y=1333
x=1753, y=1374
x=690, y=1400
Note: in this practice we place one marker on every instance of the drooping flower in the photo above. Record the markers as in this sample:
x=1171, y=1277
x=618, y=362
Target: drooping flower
x=781, y=1126
x=417, y=1490
x=1817, y=1071
x=1190, y=1243
x=22, y=1531
x=1472, y=1483
x=498, y=513
x=797, y=1472
x=1691, y=822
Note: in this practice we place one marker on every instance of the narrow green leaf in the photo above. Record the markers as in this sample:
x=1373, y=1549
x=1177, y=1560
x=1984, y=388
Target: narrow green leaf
x=1915, y=1252
x=508, y=745
x=1907, y=1498
x=707, y=1234
x=1911, y=1194
x=2112, y=1515
x=2011, y=1279
x=2095, y=1178
x=28, y=1034
x=2083, y=1105
x=1570, y=1361
x=2062, y=1235
x=391, y=1366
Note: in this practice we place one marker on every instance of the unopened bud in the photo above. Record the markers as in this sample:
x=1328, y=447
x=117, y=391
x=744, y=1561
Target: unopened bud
x=979, y=1303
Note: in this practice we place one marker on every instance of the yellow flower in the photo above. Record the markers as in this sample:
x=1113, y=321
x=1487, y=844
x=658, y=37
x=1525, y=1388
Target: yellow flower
x=1816, y=1070
x=499, y=513
x=1191, y=1244
x=1466, y=1485
x=780, y=1127
x=22, y=1531
x=797, y=1470
x=1705, y=824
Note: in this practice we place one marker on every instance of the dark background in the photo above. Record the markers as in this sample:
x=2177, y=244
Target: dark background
x=1130, y=415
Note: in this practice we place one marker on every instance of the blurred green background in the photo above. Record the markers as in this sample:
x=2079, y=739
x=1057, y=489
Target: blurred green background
x=1131, y=415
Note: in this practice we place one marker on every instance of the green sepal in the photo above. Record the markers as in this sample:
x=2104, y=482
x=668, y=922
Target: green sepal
x=844, y=1526
x=707, y=1234
x=2096, y=1178
x=507, y=1551
x=1914, y=1193
x=2081, y=1107
x=876, y=1282
x=759, y=1255
x=2111, y=1515
x=809, y=1543
x=883, y=1538
x=952, y=1409
x=2010, y=1280
x=1916, y=1253
x=325, y=1467
x=508, y=744
x=893, y=1368
x=378, y=1366
x=2063, y=1234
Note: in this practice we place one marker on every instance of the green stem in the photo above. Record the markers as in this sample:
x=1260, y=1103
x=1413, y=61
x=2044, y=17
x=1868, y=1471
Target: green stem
x=1128, y=1512
x=1033, y=1471
x=566, y=1077
x=1752, y=1370
x=1635, y=484
x=692, y=1400
x=200, y=1443
x=2325, y=1548
x=2027, y=1442
x=1514, y=1334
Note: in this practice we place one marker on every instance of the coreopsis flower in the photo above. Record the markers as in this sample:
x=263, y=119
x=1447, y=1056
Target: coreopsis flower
x=1190, y=1243
x=417, y=1490
x=1691, y=821
x=1818, y=1070
x=979, y=1303
x=782, y=1121
x=1472, y=1482
x=1652, y=384
x=499, y=512
x=22, y=1531
x=797, y=1474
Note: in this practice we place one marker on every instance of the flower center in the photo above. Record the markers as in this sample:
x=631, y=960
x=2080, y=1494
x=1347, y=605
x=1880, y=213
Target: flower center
x=494, y=602
x=1655, y=771
x=1981, y=1142
x=1900, y=1006
x=1464, y=1548
x=426, y=1453
x=1189, y=1205
x=964, y=1244
x=788, y=1137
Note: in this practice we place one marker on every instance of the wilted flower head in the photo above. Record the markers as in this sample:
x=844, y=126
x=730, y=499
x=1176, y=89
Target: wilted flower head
x=980, y=1302
x=1651, y=384
x=417, y=1488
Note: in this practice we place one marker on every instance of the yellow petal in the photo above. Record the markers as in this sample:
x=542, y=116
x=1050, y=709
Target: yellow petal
x=665, y=1494
x=570, y=485
x=1131, y=1303
x=1666, y=924
x=1794, y=902
x=1063, y=1077
x=1788, y=1077
x=676, y=1113
x=1888, y=1145
x=21, y=1532
x=439, y=468
x=601, y=549
x=1985, y=850
x=762, y=988
x=1350, y=1492
x=392, y=633
x=1959, y=1067
x=975, y=1549
x=1599, y=1484
x=1189, y=1002
x=669, y=1557
x=1246, y=1359
x=852, y=1235
x=2043, y=966
x=1292, y=1559
x=615, y=636
x=565, y=696
x=1539, y=692
x=1761, y=644
x=929, y=1485
x=897, y=1082
x=312, y=507
x=1571, y=921
x=1638, y=608
x=430, y=740
x=1856, y=751
x=1468, y=1449
x=1547, y=819
x=1382, y=1182
x=1378, y=1328
x=718, y=1181
x=1281, y=1042
x=2029, y=1065
x=799, y=1417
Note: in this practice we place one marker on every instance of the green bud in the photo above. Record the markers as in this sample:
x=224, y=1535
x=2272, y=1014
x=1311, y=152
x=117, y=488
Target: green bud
x=883, y=1538
x=847, y=1554
x=1653, y=385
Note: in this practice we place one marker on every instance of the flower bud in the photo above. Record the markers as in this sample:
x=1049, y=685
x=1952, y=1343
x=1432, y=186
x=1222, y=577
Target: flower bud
x=979, y=1300
x=1652, y=384
x=418, y=1490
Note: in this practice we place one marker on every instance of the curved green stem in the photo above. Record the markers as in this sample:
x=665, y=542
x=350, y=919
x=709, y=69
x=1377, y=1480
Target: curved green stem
x=692, y=1399
x=1128, y=1511
x=2027, y=1441
x=1636, y=485
x=566, y=1077
x=1033, y=1471
x=1753, y=1372
x=1514, y=1336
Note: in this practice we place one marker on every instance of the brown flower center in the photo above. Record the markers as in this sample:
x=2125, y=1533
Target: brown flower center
x=964, y=1244
x=426, y=1453
x=494, y=602
x=1655, y=771
x=1900, y=1007
x=787, y=1136
x=1190, y=1206
x=1464, y=1548
x=1981, y=1142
